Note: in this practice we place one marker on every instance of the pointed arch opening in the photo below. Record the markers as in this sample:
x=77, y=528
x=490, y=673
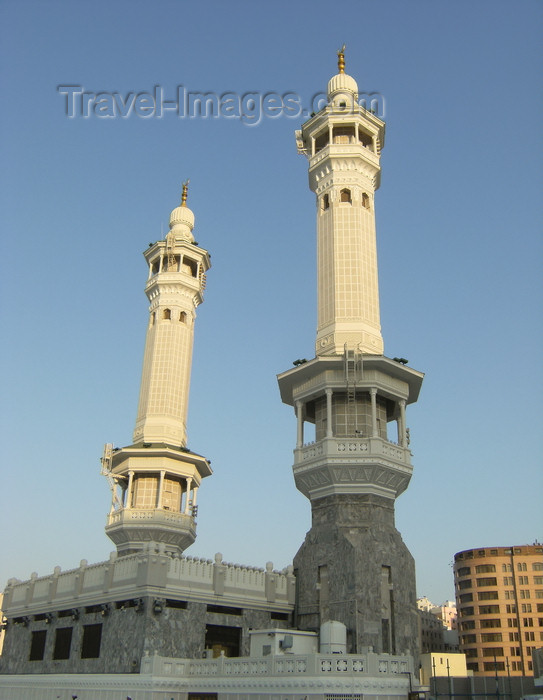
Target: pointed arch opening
x=345, y=196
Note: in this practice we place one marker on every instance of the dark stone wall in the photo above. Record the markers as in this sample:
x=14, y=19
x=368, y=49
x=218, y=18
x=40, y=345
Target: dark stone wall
x=339, y=571
x=126, y=636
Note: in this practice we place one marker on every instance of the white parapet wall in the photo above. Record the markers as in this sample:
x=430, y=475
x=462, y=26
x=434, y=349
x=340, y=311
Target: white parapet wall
x=185, y=577
x=313, y=676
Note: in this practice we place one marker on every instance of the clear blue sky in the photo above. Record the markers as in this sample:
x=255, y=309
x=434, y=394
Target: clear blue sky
x=459, y=235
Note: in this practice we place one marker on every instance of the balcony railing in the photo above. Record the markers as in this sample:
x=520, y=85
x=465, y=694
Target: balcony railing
x=351, y=447
x=157, y=515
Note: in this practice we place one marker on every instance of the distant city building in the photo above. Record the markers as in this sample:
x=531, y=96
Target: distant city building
x=499, y=596
x=436, y=665
x=437, y=626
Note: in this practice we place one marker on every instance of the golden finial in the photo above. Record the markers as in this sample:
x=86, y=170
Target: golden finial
x=341, y=59
x=185, y=193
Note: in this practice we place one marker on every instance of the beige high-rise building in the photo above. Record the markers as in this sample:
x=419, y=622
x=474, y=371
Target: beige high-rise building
x=499, y=596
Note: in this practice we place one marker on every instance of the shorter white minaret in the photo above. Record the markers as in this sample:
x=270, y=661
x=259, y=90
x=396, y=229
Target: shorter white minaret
x=177, y=268
x=155, y=481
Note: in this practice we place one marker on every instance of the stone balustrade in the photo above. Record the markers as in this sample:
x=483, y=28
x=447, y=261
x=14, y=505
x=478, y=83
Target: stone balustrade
x=324, y=665
x=147, y=572
x=349, y=447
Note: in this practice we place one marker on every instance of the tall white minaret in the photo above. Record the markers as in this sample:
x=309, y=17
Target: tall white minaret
x=353, y=566
x=343, y=144
x=155, y=480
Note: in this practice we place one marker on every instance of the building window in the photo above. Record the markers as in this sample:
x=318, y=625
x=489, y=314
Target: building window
x=463, y=571
x=493, y=651
x=469, y=639
x=183, y=316
x=529, y=636
x=539, y=593
x=493, y=622
x=468, y=625
x=345, y=196
x=485, y=568
x=466, y=612
x=538, y=580
x=464, y=584
x=509, y=595
x=37, y=645
x=537, y=566
x=524, y=594
x=523, y=580
x=508, y=581
x=325, y=202
x=489, y=610
x=513, y=636
x=526, y=607
x=507, y=567
x=487, y=595
x=512, y=622
x=491, y=637
x=466, y=598
x=521, y=566
x=92, y=638
x=527, y=622
x=167, y=314
x=63, y=642
x=494, y=666
x=488, y=581
x=365, y=200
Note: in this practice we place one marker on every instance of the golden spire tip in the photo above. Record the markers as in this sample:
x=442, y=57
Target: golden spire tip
x=341, y=59
x=184, y=195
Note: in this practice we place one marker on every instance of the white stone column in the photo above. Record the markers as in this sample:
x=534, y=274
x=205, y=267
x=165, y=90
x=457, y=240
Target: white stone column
x=189, y=486
x=129, y=489
x=373, y=394
x=194, y=495
x=300, y=418
x=329, y=432
x=160, y=489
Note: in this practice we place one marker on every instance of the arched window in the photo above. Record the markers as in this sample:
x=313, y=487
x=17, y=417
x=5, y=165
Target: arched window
x=152, y=319
x=365, y=200
x=345, y=196
x=325, y=201
x=183, y=316
x=167, y=314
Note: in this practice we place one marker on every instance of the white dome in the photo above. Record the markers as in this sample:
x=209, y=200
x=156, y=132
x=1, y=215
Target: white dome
x=182, y=223
x=342, y=84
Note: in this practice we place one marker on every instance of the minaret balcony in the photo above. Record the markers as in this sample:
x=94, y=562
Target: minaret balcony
x=344, y=150
x=352, y=465
x=131, y=528
x=350, y=447
x=126, y=516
